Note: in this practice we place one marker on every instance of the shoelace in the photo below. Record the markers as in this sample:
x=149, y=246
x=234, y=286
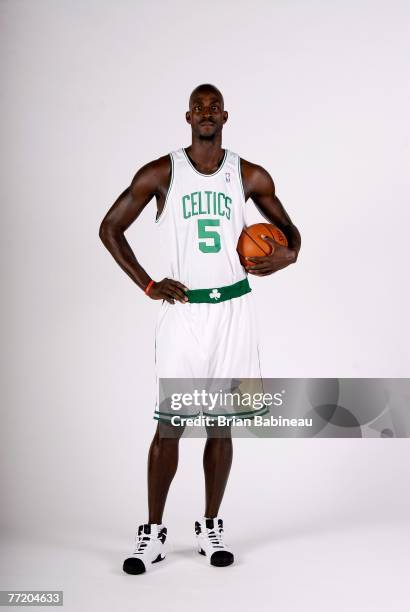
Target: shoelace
x=216, y=538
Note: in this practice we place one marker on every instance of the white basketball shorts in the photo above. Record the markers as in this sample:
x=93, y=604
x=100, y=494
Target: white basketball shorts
x=205, y=341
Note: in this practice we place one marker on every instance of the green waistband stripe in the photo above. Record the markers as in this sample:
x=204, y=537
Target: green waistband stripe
x=214, y=295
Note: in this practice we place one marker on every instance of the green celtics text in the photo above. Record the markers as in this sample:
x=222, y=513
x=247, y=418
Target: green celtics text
x=206, y=203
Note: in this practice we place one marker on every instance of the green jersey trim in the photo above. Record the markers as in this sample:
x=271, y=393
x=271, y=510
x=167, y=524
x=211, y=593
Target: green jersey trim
x=169, y=188
x=161, y=413
x=240, y=178
x=201, y=173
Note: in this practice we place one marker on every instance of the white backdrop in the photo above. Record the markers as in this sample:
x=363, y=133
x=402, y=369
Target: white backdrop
x=317, y=93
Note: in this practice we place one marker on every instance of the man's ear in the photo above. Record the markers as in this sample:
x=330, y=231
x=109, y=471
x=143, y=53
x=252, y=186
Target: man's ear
x=226, y=116
x=188, y=116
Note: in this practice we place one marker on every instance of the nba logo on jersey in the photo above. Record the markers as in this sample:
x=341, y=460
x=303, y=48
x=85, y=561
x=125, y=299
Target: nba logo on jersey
x=228, y=177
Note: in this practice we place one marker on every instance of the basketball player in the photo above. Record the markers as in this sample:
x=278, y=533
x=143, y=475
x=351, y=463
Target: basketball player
x=206, y=325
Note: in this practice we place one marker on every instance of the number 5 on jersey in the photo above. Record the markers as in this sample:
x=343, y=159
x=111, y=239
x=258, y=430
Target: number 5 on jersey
x=211, y=240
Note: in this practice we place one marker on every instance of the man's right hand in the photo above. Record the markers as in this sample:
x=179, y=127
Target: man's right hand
x=170, y=290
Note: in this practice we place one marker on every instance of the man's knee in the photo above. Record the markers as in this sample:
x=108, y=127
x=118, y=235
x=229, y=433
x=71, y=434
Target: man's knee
x=219, y=431
x=167, y=431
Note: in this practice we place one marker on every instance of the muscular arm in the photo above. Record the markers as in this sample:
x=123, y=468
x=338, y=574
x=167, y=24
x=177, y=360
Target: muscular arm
x=259, y=186
x=151, y=180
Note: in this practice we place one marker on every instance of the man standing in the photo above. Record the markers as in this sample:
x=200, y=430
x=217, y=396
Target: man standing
x=206, y=324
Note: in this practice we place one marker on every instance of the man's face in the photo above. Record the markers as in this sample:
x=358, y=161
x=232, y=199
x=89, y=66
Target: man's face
x=206, y=115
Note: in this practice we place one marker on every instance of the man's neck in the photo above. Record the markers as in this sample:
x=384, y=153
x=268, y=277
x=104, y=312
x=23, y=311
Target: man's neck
x=206, y=156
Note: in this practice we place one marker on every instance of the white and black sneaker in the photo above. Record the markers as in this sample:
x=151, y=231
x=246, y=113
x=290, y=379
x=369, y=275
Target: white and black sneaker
x=149, y=548
x=209, y=535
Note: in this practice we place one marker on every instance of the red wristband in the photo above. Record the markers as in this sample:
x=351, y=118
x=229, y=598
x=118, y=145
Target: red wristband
x=148, y=287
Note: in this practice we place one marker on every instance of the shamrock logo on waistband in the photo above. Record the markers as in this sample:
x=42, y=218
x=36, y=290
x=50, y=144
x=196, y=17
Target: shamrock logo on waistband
x=214, y=295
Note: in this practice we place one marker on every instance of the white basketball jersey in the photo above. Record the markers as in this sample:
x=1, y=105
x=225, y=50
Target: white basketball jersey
x=201, y=222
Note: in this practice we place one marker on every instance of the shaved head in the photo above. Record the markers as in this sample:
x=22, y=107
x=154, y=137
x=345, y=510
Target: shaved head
x=206, y=113
x=206, y=88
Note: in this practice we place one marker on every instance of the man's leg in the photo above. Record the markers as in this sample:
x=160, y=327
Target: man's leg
x=217, y=465
x=162, y=466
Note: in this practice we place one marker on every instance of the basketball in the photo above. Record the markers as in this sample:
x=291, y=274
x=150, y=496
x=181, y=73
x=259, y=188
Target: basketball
x=250, y=243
